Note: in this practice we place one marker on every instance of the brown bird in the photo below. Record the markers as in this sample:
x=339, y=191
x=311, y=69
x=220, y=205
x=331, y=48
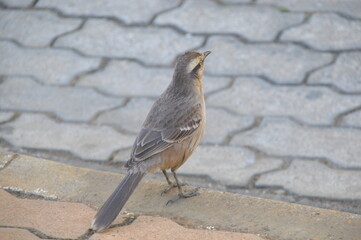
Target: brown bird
x=169, y=135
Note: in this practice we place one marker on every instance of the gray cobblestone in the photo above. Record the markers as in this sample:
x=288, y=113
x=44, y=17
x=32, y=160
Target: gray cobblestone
x=122, y=155
x=344, y=74
x=130, y=117
x=283, y=137
x=314, y=105
x=232, y=57
x=155, y=46
x=321, y=181
x=234, y=1
x=48, y=65
x=76, y=104
x=220, y=123
x=201, y=16
x=352, y=119
x=213, y=83
x=347, y=7
x=17, y=3
x=327, y=32
x=89, y=142
x=33, y=28
x=135, y=11
x=126, y=78
x=5, y=116
x=237, y=166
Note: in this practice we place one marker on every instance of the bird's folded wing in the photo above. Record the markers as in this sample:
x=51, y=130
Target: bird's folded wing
x=153, y=141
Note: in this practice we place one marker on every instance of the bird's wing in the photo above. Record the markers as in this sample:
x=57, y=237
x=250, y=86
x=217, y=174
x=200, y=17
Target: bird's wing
x=151, y=141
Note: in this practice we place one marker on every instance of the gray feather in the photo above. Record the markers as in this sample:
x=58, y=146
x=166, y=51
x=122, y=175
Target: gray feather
x=111, y=208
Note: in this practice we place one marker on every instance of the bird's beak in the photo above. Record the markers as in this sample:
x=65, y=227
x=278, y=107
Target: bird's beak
x=205, y=54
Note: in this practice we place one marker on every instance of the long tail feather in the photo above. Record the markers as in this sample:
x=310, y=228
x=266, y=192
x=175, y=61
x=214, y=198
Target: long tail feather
x=111, y=208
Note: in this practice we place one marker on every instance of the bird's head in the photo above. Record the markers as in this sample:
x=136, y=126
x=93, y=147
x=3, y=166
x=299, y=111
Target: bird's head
x=190, y=66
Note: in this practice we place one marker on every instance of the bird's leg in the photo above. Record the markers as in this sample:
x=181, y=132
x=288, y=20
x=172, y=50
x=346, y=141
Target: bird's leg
x=167, y=178
x=179, y=185
x=171, y=185
x=181, y=194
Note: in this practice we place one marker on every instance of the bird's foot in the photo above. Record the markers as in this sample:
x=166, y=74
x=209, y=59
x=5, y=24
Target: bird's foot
x=184, y=195
x=170, y=187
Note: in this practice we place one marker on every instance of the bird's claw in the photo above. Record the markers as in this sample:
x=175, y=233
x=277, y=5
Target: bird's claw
x=170, y=187
x=184, y=195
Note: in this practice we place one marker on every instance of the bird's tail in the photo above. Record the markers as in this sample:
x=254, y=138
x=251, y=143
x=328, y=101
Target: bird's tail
x=111, y=208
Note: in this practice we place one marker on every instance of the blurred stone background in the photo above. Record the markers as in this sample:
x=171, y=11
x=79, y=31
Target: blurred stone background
x=283, y=88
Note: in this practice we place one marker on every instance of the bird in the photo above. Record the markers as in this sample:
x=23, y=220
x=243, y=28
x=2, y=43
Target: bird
x=170, y=133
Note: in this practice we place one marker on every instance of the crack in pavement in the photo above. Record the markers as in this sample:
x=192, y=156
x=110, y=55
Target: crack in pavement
x=37, y=233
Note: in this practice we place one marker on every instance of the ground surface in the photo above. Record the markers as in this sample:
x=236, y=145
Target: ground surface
x=42, y=199
x=283, y=88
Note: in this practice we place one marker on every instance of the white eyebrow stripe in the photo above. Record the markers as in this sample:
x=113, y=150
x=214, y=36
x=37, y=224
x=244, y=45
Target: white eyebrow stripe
x=192, y=64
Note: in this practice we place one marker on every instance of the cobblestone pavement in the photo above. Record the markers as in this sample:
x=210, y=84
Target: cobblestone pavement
x=283, y=88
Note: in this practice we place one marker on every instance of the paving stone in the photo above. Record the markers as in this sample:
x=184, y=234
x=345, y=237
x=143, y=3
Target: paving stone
x=5, y=158
x=69, y=103
x=105, y=38
x=352, y=119
x=126, y=78
x=86, y=141
x=234, y=1
x=347, y=7
x=235, y=165
x=219, y=123
x=146, y=227
x=262, y=59
x=321, y=180
x=327, y=32
x=136, y=11
x=26, y=175
x=130, y=117
x=5, y=116
x=17, y=3
x=16, y=234
x=314, y=105
x=344, y=74
x=57, y=219
x=214, y=83
x=202, y=16
x=34, y=28
x=50, y=66
x=122, y=155
x=279, y=136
